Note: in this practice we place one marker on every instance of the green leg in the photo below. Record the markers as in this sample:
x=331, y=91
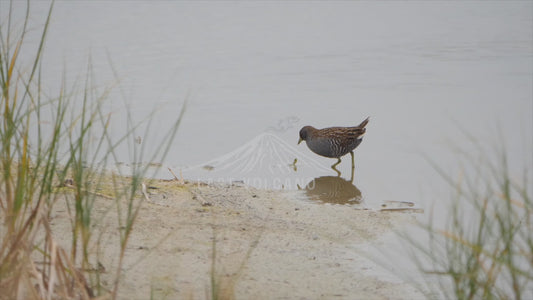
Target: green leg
x=335, y=165
x=353, y=167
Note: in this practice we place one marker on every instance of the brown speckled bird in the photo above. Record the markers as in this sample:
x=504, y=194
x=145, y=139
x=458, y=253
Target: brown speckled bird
x=333, y=142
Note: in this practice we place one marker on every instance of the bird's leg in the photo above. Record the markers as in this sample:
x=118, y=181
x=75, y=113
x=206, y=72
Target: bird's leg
x=353, y=167
x=335, y=165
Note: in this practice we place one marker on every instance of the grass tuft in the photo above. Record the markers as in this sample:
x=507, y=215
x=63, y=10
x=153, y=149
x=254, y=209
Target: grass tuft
x=485, y=249
x=64, y=160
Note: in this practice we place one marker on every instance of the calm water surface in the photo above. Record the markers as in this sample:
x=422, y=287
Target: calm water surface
x=255, y=73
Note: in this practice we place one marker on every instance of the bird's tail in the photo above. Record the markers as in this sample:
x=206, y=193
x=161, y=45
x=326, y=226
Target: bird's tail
x=363, y=124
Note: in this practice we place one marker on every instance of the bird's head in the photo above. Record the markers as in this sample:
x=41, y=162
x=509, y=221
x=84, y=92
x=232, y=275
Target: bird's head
x=304, y=133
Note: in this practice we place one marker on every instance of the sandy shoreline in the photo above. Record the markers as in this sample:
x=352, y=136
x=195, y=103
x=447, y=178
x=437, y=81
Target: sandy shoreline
x=262, y=244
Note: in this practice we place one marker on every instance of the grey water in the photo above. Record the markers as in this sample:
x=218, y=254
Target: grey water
x=423, y=72
x=253, y=73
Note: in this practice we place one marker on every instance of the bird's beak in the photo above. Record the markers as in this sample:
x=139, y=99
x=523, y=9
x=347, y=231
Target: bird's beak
x=299, y=141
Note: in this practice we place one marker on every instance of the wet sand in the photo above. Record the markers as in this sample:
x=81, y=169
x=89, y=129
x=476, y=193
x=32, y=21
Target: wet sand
x=255, y=244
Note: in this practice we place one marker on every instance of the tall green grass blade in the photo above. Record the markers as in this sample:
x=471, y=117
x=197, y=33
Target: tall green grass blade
x=35, y=162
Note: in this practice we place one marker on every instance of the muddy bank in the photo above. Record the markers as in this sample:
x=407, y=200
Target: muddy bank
x=252, y=243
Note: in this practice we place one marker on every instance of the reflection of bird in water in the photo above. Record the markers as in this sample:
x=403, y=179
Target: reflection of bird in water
x=333, y=142
x=333, y=189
